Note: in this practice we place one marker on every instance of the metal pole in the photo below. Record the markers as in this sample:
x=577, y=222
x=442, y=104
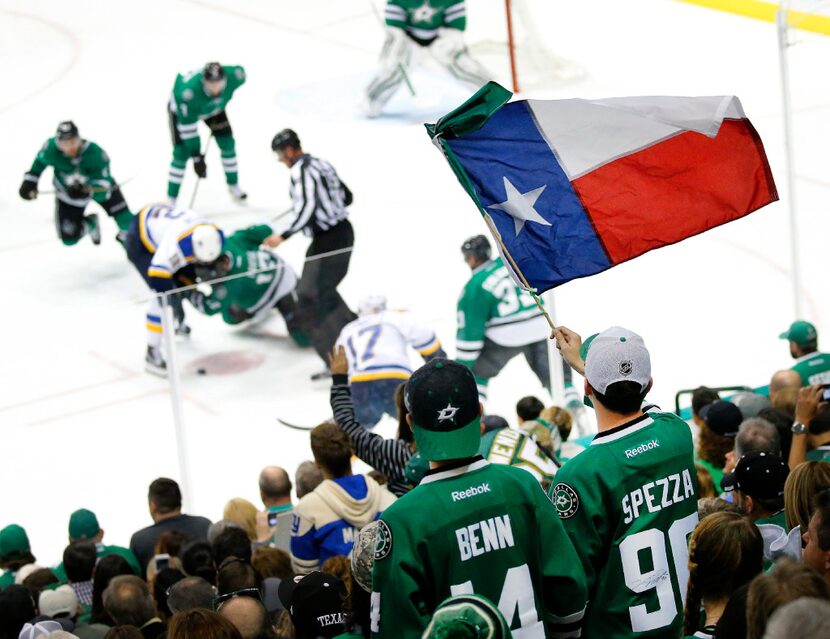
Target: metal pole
x=783, y=44
x=169, y=334
x=557, y=374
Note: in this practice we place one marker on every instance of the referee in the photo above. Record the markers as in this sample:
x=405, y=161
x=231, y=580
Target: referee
x=319, y=199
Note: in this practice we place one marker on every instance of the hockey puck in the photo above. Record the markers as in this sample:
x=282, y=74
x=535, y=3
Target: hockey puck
x=202, y=371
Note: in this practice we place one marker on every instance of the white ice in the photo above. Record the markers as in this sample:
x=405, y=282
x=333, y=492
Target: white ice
x=84, y=426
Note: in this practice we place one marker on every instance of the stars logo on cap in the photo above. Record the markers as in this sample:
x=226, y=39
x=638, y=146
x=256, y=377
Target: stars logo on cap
x=447, y=413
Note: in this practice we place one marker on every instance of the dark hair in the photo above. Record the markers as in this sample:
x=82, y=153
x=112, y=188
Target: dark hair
x=39, y=580
x=622, y=397
x=713, y=447
x=822, y=509
x=201, y=624
x=783, y=424
x=231, y=542
x=404, y=429
x=170, y=542
x=820, y=424
x=357, y=607
x=79, y=561
x=235, y=574
x=109, y=567
x=271, y=562
x=197, y=559
x=529, y=408
x=163, y=580
x=17, y=606
x=703, y=396
x=332, y=448
x=123, y=632
x=165, y=494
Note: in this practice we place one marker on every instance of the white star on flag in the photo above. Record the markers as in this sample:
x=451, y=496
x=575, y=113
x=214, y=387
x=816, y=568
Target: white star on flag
x=519, y=206
x=424, y=13
x=447, y=413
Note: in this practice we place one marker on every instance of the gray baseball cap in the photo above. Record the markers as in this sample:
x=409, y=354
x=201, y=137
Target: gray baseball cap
x=617, y=355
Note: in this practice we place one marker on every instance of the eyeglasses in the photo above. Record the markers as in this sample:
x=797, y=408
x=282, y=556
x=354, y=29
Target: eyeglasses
x=219, y=601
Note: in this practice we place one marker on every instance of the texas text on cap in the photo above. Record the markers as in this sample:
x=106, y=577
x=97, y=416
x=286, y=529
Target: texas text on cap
x=722, y=417
x=315, y=603
x=83, y=524
x=442, y=399
x=617, y=355
x=801, y=332
x=759, y=475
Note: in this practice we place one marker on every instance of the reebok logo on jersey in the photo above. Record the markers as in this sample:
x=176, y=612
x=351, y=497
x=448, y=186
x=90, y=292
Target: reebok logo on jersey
x=485, y=536
x=460, y=495
x=643, y=448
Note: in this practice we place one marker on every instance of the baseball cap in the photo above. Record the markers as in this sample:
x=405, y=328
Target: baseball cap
x=749, y=403
x=800, y=332
x=363, y=555
x=494, y=422
x=722, y=417
x=442, y=399
x=83, y=524
x=759, y=475
x=617, y=355
x=467, y=616
x=60, y=601
x=38, y=629
x=14, y=543
x=315, y=603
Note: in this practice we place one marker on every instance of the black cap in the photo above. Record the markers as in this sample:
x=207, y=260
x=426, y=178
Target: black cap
x=315, y=603
x=285, y=138
x=67, y=131
x=494, y=422
x=722, y=417
x=213, y=72
x=759, y=475
x=478, y=246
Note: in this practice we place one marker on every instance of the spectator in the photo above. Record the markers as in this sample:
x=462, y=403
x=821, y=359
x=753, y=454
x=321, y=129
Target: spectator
x=161, y=585
x=812, y=366
x=44, y=628
x=563, y=420
x=307, y=478
x=533, y=453
x=340, y=567
x=190, y=593
x=492, y=514
x=804, y=618
x=604, y=496
x=315, y=604
x=754, y=435
x=15, y=553
x=705, y=485
x=197, y=559
x=783, y=390
x=201, y=624
x=326, y=519
x=123, y=632
x=811, y=430
x=243, y=513
x=725, y=552
x=128, y=601
x=60, y=602
x=218, y=527
x=235, y=574
x=467, y=617
x=271, y=562
x=711, y=505
x=107, y=568
x=40, y=579
x=274, y=524
x=389, y=456
x=79, y=563
x=170, y=543
x=83, y=526
x=769, y=591
x=758, y=484
x=528, y=408
x=247, y=614
x=712, y=445
x=232, y=542
x=165, y=502
x=805, y=482
x=816, y=552
x=783, y=425
x=750, y=403
x=16, y=608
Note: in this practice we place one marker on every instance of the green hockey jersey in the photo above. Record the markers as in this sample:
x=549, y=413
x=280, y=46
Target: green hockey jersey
x=191, y=103
x=476, y=527
x=629, y=503
x=422, y=18
x=90, y=168
x=513, y=448
x=813, y=368
x=492, y=306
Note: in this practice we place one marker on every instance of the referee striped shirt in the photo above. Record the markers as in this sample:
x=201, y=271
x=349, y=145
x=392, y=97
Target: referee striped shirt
x=317, y=196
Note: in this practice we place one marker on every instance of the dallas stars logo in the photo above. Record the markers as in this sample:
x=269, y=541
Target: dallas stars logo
x=424, y=13
x=447, y=413
x=565, y=500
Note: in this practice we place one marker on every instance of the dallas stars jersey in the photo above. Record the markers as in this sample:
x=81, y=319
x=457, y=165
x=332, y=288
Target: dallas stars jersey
x=813, y=368
x=492, y=306
x=477, y=528
x=629, y=503
x=191, y=103
x=513, y=448
x=421, y=19
x=91, y=168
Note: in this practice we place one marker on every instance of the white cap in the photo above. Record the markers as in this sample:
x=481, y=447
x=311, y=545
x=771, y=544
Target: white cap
x=207, y=243
x=60, y=601
x=39, y=629
x=617, y=355
x=373, y=303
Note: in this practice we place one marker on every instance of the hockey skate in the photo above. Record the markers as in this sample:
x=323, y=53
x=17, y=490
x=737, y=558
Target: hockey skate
x=154, y=363
x=182, y=329
x=237, y=193
x=92, y=227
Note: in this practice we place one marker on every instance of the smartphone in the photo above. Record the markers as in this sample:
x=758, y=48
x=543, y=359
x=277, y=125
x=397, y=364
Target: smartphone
x=161, y=561
x=272, y=519
x=825, y=397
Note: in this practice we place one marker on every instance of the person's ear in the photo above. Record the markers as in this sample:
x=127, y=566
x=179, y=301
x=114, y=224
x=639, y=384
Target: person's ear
x=749, y=504
x=480, y=409
x=649, y=385
x=587, y=390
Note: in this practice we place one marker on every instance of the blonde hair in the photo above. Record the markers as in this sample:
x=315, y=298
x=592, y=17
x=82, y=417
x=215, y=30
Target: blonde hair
x=340, y=567
x=705, y=483
x=242, y=512
x=560, y=417
x=804, y=482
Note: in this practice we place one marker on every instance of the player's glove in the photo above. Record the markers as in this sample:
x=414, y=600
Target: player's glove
x=238, y=314
x=77, y=191
x=199, y=166
x=28, y=190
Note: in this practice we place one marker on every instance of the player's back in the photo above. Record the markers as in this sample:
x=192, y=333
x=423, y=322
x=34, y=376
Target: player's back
x=157, y=221
x=629, y=502
x=376, y=346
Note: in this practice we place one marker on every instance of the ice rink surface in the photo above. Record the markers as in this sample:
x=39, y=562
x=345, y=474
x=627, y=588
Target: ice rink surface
x=84, y=426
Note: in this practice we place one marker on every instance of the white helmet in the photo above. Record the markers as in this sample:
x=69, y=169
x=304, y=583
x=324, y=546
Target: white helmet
x=207, y=243
x=374, y=303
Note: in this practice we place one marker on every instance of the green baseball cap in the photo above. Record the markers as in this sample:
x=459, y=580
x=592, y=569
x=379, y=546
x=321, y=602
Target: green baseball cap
x=14, y=543
x=801, y=332
x=467, y=616
x=83, y=524
x=442, y=399
x=583, y=350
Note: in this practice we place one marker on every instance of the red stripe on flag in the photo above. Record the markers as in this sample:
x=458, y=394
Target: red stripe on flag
x=676, y=189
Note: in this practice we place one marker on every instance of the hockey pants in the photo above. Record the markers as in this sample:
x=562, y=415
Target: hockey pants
x=69, y=214
x=494, y=357
x=373, y=399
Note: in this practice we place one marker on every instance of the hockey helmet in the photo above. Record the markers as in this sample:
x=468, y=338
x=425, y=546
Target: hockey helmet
x=207, y=243
x=67, y=131
x=286, y=137
x=213, y=72
x=478, y=246
x=373, y=303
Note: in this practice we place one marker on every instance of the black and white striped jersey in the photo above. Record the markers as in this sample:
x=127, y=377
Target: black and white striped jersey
x=318, y=196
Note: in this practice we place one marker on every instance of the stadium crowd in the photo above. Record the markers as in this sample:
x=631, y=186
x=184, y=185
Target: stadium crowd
x=719, y=527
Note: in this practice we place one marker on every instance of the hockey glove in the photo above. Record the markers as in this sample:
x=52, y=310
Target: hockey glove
x=238, y=314
x=77, y=191
x=28, y=190
x=199, y=166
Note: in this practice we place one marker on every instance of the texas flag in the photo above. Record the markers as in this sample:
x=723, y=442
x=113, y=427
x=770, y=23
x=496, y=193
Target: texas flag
x=574, y=187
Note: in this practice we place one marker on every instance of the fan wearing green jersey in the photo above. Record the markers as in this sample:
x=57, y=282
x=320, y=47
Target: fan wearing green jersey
x=435, y=26
x=629, y=501
x=810, y=364
x=470, y=527
x=203, y=95
x=81, y=173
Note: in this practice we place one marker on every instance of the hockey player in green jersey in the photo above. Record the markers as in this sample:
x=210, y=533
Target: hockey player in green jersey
x=203, y=95
x=433, y=25
x=629, y=501
x=81, y=173
x=470, y=527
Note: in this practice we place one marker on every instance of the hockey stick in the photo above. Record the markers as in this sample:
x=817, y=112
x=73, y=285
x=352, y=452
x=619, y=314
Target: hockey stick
x=283, y=214
x=295, y=426
x=199, y=179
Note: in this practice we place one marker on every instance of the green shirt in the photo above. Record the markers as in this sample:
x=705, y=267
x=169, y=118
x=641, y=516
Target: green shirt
x=513, y=448
x=714, y=471
x=423, y=18
x=91, y=168
x=6, y=579
x=779, y=519
x=813, y=368
x=103, y=551
x=822, y=453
